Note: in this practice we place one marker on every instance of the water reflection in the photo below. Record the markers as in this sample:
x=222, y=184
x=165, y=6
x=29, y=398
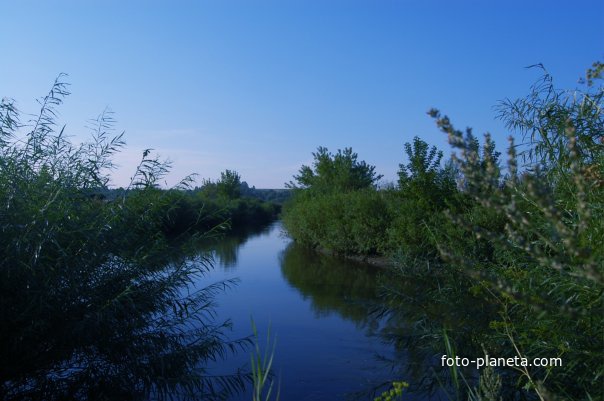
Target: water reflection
x=332, y=285
x=411, y=313
x=355, y=291
x=225, y=250
x=345, y=329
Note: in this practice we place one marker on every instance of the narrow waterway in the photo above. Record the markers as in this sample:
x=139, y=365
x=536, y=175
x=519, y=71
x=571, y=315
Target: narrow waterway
x=322, y=315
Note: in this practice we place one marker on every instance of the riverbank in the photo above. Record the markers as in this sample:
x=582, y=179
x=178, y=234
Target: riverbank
x=382, y=262
x=528, y=240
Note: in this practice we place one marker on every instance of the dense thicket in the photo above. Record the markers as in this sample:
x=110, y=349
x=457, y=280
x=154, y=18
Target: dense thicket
x=206, y=210
x=528, y=237
x=335, y=204
x=103, y=298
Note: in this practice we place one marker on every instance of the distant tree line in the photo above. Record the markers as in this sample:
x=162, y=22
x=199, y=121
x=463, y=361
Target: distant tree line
x=221, y=206
x=227, y=202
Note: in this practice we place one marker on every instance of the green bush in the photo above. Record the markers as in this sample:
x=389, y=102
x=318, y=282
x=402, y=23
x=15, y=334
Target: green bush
x=411, y=232
x=340, y=172
x=345, y=223
x=546, y=269
x=92, y=295
x=530, y=239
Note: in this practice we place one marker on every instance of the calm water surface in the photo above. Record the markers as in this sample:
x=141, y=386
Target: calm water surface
x=319, y=308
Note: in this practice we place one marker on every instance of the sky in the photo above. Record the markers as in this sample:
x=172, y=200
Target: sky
x=257, y=86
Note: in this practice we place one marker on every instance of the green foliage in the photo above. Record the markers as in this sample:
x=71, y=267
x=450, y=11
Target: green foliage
x=229, y=184
x=94, y=300
x=410, y=233
x=489, y=387
x=180, y=212
x=261, y=368
x=479, y=167
x=423, y=175
x=341, y=172
x=530, y=235
x=543, y=117
x=342, y=222
x=228, y=200
x=395, y=393
x=547, y=270
x=358, y=219
x=335, y=205
x=425, y=190
x=276, y=196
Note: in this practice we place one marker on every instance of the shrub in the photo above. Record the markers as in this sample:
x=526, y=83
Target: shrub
x=92, y=303
x=340, y=172
x=346, y=223
x=547, y=273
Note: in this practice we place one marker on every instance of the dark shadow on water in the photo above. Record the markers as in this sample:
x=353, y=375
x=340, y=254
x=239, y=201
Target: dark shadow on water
x=332, y=285
x=409, y=313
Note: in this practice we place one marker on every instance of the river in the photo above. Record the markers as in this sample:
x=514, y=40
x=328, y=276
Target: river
x=331, y=343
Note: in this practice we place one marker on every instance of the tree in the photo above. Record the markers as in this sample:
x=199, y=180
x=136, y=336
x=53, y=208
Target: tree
x=341, y=172
x=229, y=184
x=423, y=177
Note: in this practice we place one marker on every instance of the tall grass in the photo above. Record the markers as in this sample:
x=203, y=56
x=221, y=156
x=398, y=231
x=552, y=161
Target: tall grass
x=93, y=302
x=262, y=364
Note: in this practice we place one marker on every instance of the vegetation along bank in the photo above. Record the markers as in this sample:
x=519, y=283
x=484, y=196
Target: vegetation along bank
x=524, y=233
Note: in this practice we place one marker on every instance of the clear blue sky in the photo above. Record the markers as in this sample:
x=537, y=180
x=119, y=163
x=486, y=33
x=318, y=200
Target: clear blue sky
x=256, y=86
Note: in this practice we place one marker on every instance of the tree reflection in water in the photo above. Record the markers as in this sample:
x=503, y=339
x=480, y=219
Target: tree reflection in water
x=224, y=250
x=409, y=312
